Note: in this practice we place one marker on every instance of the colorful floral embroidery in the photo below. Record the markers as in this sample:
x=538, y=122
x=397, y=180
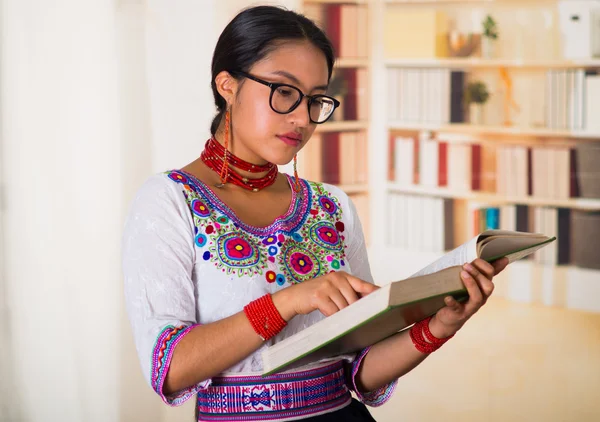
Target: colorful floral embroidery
x=236, y=252
x=328, y=205
x=199, y=208
x=270, y=276
x=161, y=359
x=304, y=243
x=325, y=235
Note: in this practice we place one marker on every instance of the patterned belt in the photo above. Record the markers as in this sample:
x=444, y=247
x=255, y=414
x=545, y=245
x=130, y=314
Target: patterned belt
x=288, y=396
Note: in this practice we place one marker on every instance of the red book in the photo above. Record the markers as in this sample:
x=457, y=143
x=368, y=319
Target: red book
x=442, y=164
x=351, y=98
x=475, y=167
x=331, y=158
x=333, y=22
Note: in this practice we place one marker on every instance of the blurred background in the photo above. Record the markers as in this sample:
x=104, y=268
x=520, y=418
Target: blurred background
x=457, y=117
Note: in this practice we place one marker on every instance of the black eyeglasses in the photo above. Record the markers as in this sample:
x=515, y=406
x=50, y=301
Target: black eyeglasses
x=286, y=98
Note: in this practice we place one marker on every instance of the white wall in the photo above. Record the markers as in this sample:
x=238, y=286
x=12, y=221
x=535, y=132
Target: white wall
x=61, y=169
x=96, y=96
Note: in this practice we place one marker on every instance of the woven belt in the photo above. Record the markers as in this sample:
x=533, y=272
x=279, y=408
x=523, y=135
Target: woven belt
x=286, y=396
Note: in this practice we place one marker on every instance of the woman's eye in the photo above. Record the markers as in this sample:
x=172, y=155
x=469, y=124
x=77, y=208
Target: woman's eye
x=286, y=92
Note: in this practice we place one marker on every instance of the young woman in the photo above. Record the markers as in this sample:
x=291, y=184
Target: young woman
x=226, y=256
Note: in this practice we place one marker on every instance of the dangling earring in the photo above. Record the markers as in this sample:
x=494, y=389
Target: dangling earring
x=225, y=168
x=296, y=178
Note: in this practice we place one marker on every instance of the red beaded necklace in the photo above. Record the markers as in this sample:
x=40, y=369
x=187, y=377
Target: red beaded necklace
x=219, y=159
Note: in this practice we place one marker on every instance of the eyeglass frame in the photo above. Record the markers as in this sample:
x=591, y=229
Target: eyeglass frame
x=275, y=85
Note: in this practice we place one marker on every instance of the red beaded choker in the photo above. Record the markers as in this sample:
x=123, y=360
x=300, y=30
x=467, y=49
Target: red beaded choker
x=216, y=157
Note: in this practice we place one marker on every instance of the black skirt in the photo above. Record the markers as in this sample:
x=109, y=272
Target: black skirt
x=354, y=412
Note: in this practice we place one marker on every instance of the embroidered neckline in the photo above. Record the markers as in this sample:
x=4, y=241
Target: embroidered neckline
x=288, y=222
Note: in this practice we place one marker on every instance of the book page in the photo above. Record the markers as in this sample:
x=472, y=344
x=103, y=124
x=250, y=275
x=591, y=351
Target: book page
x=466, y=252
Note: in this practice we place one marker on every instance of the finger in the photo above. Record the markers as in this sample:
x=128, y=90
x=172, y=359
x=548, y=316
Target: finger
x=327, y=306
x=338, y=298
x=484, y=267
x=453, y=304
x=475, y=296
x=485, y=284
x=348, y=292
x=361, y=286
x=500, y=265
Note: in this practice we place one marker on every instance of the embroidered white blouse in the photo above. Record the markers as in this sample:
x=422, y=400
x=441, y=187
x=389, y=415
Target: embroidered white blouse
x=188, y=260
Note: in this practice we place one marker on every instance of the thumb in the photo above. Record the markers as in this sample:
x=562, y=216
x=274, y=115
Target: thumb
x=499, y=265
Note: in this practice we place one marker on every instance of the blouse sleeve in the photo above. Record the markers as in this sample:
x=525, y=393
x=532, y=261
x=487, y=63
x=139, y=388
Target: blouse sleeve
x=158, y=259
x=356, y=253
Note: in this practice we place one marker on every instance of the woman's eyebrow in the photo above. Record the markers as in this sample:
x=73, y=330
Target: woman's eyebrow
x=296, y=80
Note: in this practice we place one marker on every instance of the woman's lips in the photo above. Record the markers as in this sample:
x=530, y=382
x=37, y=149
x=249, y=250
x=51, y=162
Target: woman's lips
x=292, y=139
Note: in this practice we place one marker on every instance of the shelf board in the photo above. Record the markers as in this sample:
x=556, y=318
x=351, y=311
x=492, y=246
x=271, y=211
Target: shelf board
x=345, y=62
x=343, y=126
x=337, y=1
x=463, y=2
x=351, y=189
x=492, y=198
x=467, y=63
x=494, y=130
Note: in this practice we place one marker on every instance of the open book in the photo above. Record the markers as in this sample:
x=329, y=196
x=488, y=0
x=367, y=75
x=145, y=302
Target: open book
x=397, y=305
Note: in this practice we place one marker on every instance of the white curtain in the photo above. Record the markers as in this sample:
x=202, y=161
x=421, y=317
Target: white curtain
x=96, y=95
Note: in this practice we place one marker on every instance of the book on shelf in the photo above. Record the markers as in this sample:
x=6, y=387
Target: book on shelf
x=397, y=305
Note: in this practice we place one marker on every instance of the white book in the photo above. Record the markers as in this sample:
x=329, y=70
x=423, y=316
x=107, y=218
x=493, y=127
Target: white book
x=501, y=173
x=459, y=166
x=592, y=103
x=396, y=305
x=402, y=204
x=445, y=95
x=428, y=161
x=427, y=226
x=562, y=173
x=392, y=95
x=439, y=229
x=511, y=168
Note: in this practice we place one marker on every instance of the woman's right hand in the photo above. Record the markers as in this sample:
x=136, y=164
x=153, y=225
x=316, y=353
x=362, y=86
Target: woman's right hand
x=328, y=293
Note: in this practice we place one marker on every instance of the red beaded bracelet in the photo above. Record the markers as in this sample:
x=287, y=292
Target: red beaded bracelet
x=264, y=317
x=432, y=343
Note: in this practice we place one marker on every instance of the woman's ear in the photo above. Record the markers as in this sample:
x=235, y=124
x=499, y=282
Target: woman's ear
x=227, y=86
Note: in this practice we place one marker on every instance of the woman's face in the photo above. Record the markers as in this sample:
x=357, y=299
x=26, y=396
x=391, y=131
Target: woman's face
x=259, y=133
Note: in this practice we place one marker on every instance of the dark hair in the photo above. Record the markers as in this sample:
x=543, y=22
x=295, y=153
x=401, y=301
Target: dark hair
x=252, y=35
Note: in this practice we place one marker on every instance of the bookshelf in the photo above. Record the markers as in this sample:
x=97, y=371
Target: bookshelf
x=339, y=151
x=526, y=138
x=345, y=62
x=586, y=204
x=343, y=126
x=503, y=135
x=469, y=63
x=494, y=130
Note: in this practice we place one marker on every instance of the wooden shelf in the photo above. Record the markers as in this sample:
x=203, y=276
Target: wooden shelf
x=343, y=126
x=465, y=2
x=492, y=198
x=468, y=63
x=351, y=189
x=337, y=1
x=494, y=130
x=345, y=62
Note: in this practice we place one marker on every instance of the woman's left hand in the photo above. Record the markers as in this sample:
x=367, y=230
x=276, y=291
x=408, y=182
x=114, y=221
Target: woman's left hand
x=477, y=278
